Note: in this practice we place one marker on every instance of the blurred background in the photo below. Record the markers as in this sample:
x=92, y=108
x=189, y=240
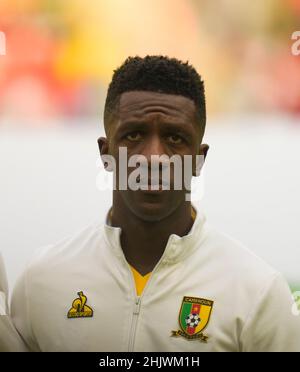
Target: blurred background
x=60, y=56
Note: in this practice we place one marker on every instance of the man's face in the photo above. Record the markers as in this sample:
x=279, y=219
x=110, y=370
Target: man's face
x=150, y=124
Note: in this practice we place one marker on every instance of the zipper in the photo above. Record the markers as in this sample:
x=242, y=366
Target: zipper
x=136, y=308
x=136, y=311
x=137, y=302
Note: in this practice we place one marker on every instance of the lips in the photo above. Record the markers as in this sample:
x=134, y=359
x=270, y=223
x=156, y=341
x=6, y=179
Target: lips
x=154, y=183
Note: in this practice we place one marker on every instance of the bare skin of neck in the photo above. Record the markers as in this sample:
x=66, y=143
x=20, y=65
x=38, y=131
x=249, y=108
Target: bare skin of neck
x=143, y=242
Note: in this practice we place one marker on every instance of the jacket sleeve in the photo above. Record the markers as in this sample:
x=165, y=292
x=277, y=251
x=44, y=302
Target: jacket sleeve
x=272, y=325
x=10, y=340
x=20, y=312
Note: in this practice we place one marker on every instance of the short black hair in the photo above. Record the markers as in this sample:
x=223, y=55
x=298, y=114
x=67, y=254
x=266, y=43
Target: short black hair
x=156, y=74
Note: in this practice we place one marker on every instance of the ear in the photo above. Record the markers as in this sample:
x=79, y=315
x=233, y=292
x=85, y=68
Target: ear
x=203, y=150
x=103, y=145
x=103, y=149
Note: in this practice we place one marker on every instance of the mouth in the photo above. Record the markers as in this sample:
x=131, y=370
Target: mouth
x=152, y=190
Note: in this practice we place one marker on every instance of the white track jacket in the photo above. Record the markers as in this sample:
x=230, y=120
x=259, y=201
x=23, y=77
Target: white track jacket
x=206, y=293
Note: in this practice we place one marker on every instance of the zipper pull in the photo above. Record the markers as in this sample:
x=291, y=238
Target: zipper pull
x=137, y=305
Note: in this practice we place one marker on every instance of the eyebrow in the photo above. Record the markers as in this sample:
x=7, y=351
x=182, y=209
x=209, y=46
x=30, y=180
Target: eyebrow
x=138, y=124
x=131, y=124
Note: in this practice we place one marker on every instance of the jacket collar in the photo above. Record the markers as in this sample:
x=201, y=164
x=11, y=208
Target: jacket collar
x=177, y=248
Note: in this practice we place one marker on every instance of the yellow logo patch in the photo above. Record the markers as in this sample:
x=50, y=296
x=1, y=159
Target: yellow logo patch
x=79, y=308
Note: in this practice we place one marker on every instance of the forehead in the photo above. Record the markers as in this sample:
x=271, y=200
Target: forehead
x=141, y=104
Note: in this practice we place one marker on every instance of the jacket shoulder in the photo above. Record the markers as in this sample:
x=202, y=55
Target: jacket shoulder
x=69, y=248
x=235, y=259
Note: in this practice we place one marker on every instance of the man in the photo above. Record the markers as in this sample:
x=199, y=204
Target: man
x=9, y=337
x=155, y=276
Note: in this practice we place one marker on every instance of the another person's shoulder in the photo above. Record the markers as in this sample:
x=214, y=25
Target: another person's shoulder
x=3, y=280
x=3, y=288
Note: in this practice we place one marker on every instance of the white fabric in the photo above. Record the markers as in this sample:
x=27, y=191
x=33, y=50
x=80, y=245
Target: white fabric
x=2, y=303
x=10, y=340
x=252, y=308
x=3, y=288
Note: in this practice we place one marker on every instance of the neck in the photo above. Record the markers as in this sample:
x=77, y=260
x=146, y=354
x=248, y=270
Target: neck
x=144, y=242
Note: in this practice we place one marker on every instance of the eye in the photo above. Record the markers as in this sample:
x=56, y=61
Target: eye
x=134, y=136
x=175, y=139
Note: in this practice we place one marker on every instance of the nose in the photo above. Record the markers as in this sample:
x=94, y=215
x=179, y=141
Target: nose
x=153, y=146
x=152, y=156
